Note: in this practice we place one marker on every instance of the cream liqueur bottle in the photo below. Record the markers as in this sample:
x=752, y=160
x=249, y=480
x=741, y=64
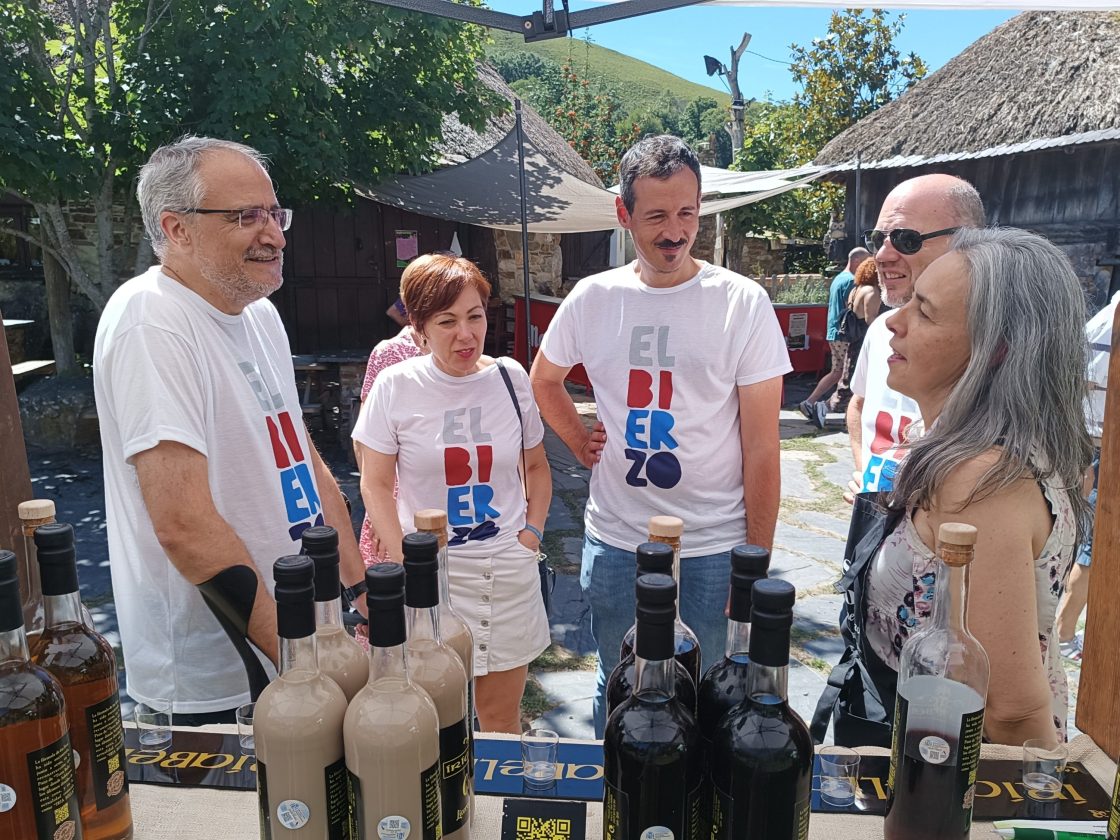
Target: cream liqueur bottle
x=301, y=771
x=392, y=728
x=340, y=657
x=436, y=668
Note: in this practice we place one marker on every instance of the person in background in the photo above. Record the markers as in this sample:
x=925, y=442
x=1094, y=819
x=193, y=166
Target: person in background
x=210, y=474
x=1099, y=334
x=686, y=359
x=915, y=223
x=993, y=326
x=842, y=284
x=397, y=313
x=446, y=427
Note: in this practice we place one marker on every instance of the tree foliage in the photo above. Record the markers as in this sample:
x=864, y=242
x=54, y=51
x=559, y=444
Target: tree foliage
x=335, y=93
x=589, y=121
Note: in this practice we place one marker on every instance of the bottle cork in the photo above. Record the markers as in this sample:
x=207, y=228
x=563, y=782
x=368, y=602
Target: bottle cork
x=35, y=512
x=432, y=521
x=666, y=529
x=956, y=541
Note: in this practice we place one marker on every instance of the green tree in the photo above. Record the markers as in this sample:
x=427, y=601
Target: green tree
x=589, y=120
x=336, y=94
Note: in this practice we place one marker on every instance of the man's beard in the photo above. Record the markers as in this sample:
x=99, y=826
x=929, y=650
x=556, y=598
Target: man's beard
x=234, y=282
x=897, y=299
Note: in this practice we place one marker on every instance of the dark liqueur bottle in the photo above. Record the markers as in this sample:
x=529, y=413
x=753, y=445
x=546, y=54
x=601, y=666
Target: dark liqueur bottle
x=939, y=709
x=38, y=788
x=652, y=558
x=725, y=684
x=667, y=530
x=1114, y=811
x=651, y=757
x=761, y=765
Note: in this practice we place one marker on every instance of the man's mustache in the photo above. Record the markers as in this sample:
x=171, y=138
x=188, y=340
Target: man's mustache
x=665, y=243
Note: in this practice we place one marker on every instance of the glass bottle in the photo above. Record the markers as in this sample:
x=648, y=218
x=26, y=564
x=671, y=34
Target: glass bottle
x=651, y=758
x=392, y=727
x=1114, y=811
x=86, y=667
x=32, y=514
x=38, y=788
x=667, y=530
x=725, y=685
x=652, y=558
x=302, y=787
x=939, y=708
x=761, y=767
x=340, y=657
x=436, y=668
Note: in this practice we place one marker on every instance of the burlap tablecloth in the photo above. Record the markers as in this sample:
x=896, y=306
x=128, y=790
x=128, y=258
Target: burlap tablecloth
x=173, y=813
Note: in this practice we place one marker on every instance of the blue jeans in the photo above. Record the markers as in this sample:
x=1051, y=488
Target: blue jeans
x=607, y=580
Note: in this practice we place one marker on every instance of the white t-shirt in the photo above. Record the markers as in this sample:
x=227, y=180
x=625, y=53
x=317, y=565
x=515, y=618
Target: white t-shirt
x=458, y=447
x=665, y=365
x=886, y=414
x=1098, y=332
x=168, y=366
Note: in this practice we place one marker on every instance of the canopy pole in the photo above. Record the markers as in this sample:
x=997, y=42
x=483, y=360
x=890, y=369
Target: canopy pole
x=859, y=209
x=524, y=231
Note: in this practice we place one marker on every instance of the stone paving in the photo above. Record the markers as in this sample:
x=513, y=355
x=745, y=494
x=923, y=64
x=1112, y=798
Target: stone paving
x=808, y=550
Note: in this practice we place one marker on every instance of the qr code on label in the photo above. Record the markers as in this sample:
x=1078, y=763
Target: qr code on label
x=534, y=828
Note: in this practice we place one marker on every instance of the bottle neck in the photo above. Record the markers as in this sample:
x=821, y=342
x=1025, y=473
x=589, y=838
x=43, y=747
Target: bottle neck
x=329, y=613
x=950, y=599
x=13, y=645
x=738, y=639
x=423, y=623
x=768, y=684
x=444, y=581
x=654, y=678
x=298, y=657
x=62, y=609
x=388, y=663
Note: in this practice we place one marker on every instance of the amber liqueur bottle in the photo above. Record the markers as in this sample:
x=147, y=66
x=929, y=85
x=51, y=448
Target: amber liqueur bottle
x=340, y=657
x=939, y=708
x=38, y=789
x=392, y=728
x=86, y=667
x=651, y=756
x=761, y=765
x=667, y=530
x=436, y=668
x=652, y=558
x=302, y=786
x=725, y=684
x=34, y=513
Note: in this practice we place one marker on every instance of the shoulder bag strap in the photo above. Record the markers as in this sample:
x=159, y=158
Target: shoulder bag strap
x=520, y=421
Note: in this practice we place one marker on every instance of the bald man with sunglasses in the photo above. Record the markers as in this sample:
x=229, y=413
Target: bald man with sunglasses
x=914, y=228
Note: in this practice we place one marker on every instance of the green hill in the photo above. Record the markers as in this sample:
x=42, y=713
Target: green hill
x=638, y=83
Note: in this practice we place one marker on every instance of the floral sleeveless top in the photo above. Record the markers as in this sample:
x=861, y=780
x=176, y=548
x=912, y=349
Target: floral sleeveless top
x=901, y=585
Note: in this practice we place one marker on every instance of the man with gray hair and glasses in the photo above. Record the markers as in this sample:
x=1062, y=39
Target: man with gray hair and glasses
x=917, y=220
x=209, y=472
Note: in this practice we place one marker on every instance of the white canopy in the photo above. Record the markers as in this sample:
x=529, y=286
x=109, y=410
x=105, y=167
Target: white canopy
x=484, y=191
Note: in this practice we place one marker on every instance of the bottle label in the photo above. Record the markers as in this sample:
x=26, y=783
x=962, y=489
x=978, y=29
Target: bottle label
x=694, y=813
x=54, y=791
x=429, y=804
x=394, y=828
x=615, y=807
x=896, y=738
x=801, y=820
x=657, y=832
x=1114, y=814
x=722, y=806
x=106, y=747
x=337, y=787
x=7, y=798
x=264, y=812
x=455, y=788
x=293, y=814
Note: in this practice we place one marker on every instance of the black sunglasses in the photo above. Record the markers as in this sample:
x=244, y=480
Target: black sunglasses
x=904, y=240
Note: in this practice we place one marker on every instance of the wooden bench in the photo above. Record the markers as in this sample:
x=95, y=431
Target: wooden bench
x=39, y=367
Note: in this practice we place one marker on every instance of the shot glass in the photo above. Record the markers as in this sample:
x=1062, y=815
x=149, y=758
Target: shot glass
x=538, y=755
x=839, y=776
x=153, y=722
x=1044, y=768
x=245, y=728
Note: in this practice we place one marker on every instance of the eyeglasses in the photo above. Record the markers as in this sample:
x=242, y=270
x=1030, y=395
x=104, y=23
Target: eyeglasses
x=904, y=240
x=249, y=217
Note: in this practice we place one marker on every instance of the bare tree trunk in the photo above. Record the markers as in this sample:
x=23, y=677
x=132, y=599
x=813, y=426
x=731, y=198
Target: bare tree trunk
x=60, y=315
x=58, y=235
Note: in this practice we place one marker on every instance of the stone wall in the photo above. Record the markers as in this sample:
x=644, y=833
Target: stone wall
x=755, y=256
x=545, y=264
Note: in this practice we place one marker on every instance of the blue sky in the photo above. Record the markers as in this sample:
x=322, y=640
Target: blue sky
x=677, y=40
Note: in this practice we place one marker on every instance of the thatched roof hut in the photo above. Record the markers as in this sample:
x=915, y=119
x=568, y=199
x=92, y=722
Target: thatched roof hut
x=1039, y=76
x=1030, y=115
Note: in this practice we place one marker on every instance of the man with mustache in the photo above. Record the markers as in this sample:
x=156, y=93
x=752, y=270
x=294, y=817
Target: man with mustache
x=209, y=472
x=686, y=359
x=915, y=225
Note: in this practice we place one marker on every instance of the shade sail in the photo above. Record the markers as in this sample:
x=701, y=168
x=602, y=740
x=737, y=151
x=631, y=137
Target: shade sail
x=484, y=191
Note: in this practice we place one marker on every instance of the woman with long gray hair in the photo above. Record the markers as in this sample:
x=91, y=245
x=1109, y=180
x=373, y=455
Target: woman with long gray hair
x=992, y=349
